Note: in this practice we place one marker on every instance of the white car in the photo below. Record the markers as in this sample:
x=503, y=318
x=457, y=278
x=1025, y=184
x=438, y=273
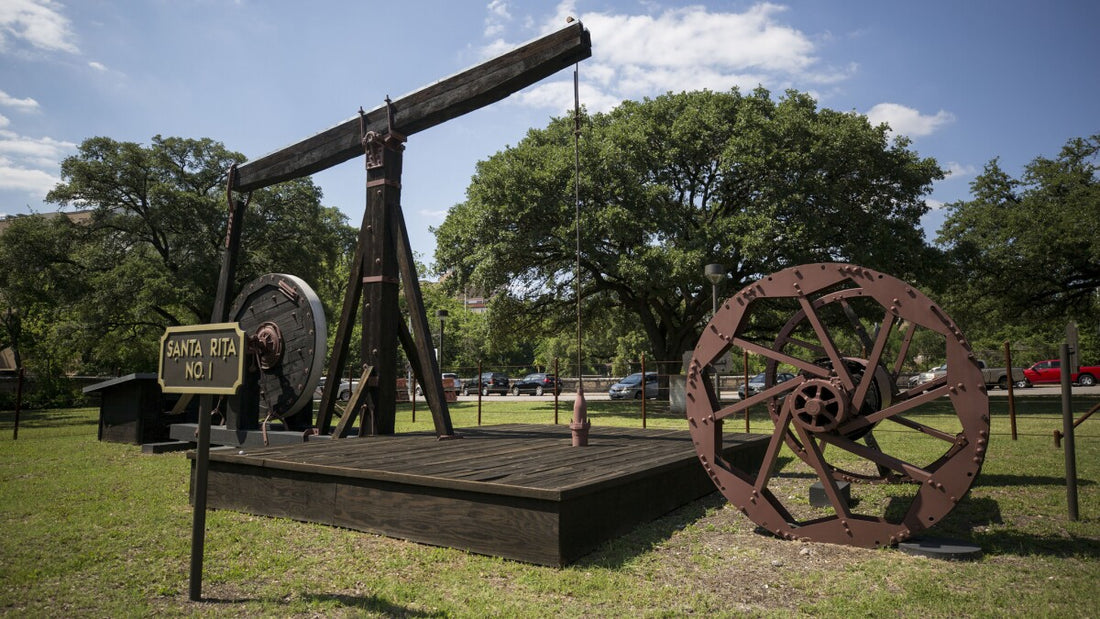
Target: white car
x=445, y=376
x=343, y=394
x=928, y=376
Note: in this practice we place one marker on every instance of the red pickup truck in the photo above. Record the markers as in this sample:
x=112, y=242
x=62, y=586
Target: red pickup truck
x=1050, y=371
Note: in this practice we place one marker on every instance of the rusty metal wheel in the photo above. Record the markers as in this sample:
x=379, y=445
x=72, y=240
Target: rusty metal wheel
x=847, y=333
x=284, y=318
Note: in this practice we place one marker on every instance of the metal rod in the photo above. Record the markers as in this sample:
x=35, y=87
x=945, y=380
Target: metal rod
x=643, y=391
x=557, y=377
x=745, y=367
x=1067, y=432
x=220, y=312
x=18, y=401
x=479, y=392
x=1011, y=394
x=198, y=520
x=580, y=423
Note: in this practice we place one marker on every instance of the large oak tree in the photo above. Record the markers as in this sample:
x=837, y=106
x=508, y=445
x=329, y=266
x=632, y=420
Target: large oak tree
x=150, y=253
x=671, y=184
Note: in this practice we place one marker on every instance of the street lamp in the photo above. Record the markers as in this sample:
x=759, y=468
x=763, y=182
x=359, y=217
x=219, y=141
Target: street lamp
x=715, y=273
x=441, y=314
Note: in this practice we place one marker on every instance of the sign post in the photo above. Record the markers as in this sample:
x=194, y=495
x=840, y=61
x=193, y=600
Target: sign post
x=208, y=360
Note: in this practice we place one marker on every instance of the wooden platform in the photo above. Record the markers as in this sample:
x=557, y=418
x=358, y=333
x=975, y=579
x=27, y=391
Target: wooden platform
x=515, y=491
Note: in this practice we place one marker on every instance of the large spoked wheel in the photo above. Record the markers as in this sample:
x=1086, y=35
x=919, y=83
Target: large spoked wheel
x=846, y=333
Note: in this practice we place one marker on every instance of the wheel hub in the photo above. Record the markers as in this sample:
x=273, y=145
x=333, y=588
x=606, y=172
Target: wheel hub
x=819, y=405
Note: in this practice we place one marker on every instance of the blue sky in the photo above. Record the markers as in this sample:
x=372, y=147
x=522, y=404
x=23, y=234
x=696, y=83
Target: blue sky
x=966, y=81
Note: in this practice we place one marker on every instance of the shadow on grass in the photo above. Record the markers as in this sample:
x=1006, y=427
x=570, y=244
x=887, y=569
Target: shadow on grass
x=1028, y=545
x=369, y=603
x=49, y=418
x=972, y=513
x=986, y=479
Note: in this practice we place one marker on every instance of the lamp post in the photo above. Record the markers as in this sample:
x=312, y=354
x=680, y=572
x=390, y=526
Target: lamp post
x=715, y=273
x=442, y=315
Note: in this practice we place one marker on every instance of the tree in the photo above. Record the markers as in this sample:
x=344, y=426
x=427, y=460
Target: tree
x=676, y=182
x=1027, y=250
x=150, y=254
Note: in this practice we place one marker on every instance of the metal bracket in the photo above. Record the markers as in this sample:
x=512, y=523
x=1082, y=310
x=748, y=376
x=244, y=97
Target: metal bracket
x=374, y=144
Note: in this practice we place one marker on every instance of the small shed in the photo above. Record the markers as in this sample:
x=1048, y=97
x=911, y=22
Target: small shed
x=131, y=409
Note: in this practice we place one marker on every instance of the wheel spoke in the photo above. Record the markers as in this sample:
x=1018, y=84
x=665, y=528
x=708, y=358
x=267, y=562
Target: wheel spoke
x=824, y=474
x=767, y=466
x=890, y=411
x=826, y=340
x=774, y=355
x=905, y=468
x=903, y=351
x=873, y=361
x=920, y=427
x=861, y=333
x=760, y=398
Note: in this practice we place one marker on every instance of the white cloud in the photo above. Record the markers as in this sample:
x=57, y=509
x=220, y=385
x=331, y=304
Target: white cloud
x=31, y=181
x=955, y=169
x=37, y=22
x=498, y=17
x=935, y=205
x=25, y=105
x=908, y=121
x=693, y=37
x=433, y=215
x=98, y=66
x=691, y=48
x=4, y=122
x=558, y=96
x=30, y=164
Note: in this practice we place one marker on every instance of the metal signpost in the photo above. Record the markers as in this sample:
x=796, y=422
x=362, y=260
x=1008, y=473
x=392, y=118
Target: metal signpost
x=206, y=360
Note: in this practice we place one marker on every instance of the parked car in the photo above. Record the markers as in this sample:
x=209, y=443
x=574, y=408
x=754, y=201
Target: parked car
x=445, y=376
x=631, y=387
x=490, y=382
x=343, y=394
x=929, y=376
x=1050, y=372
x=994, y=377
x=756, y=383
x=537, y=384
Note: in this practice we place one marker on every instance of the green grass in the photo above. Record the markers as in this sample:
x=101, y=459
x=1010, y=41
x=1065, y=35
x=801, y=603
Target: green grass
x=99, y=529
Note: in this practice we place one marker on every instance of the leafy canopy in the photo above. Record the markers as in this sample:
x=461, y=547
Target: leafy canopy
x=671, y=184
x=1027, y=250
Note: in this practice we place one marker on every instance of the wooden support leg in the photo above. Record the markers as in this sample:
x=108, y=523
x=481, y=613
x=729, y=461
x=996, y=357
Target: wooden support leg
x=421, y=353
x=343, y=337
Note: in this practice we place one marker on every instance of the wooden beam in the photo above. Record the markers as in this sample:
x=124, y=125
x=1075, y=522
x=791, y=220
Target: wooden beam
x=448, y=98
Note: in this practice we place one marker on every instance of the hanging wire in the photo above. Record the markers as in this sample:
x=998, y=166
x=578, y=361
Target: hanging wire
x=577, y=202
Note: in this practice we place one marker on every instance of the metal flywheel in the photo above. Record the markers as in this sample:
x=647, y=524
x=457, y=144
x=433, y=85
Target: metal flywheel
x=846, y=333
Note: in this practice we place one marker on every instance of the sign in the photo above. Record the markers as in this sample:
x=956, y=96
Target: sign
x=206, y=359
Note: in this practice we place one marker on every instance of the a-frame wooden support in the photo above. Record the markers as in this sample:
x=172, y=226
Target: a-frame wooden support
x=383, y=259
x=382, y=254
